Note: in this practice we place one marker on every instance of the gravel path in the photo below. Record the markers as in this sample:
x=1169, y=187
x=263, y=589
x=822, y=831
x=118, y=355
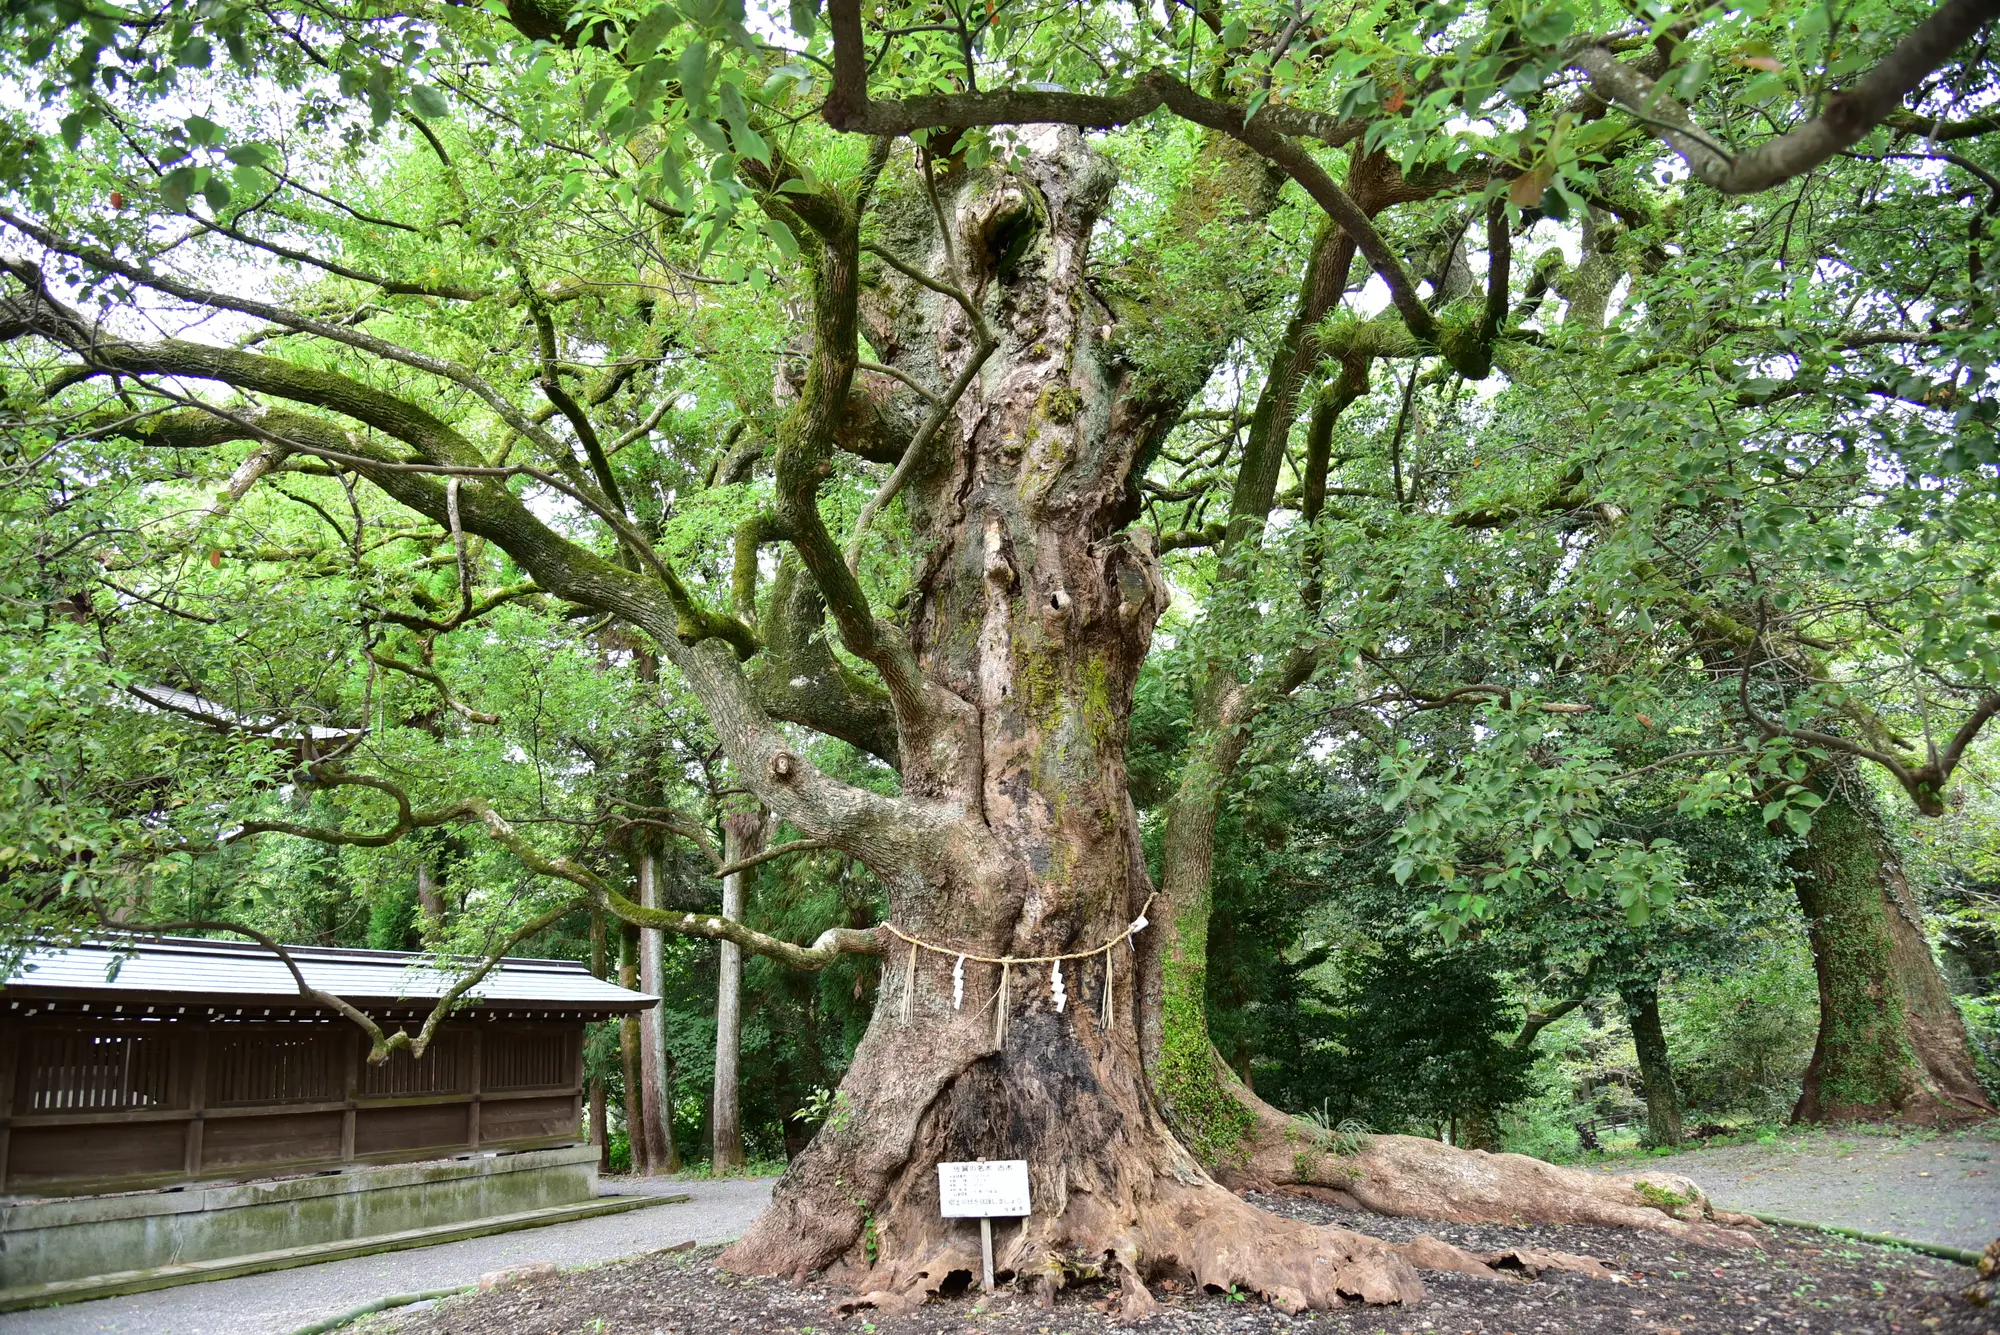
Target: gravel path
x=284, y=1300
x=1929, y=1189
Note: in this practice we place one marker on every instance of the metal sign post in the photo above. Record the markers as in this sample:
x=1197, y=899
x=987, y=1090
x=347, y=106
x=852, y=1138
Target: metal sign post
x=986, y=1190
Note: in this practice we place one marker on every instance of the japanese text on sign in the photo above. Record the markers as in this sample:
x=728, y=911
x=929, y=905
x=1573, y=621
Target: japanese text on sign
x=996, y=1189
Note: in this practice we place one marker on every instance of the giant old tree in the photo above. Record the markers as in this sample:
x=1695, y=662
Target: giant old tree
x=964, y=364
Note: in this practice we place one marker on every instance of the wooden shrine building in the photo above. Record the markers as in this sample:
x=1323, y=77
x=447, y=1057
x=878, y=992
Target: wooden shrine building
x=126, y=1066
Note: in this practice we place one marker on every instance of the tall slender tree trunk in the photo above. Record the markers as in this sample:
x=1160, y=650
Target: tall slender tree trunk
x=743, y=836
x=628, y=1051
x=1656, y=1073
x=1190, y=1077
x=430, y=904
x=655, y=1063
x=1891, y=1042
x=600, y=1120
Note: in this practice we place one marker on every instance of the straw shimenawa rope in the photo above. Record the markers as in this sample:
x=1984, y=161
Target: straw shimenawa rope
x=1007, y=963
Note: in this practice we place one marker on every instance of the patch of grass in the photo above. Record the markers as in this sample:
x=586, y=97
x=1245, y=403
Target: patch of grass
x=705, y=1171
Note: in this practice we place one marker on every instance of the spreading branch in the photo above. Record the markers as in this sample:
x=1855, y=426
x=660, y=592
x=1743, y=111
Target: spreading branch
x=1843, y=119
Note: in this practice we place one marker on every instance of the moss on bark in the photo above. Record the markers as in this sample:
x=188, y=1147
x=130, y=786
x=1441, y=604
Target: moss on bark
x=1891, y=1043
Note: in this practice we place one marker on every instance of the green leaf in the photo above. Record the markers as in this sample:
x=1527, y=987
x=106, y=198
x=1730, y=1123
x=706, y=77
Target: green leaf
x=649, y=32
x=593, y=101
x=693, y=70
x=1234, y=34
x=805, y=18
x=1692, y=76
x=175, y=187
x=670, y=176
x=751, y=145
x=429, y=102
x=709, y=133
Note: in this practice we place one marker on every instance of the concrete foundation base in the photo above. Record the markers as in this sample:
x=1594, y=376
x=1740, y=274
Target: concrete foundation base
x=59, y=1249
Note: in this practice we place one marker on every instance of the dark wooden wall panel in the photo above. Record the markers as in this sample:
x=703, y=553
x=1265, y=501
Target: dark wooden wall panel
x=98, y=1070
x=288, y=1138
x=261, y=1066
x=43, y=1154
x=398, y=1130
x=525, y=1119
x=114, y=1103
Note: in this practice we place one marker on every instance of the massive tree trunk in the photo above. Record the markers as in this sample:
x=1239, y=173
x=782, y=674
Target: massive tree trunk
x=1656, y=1072
x=1029, y=621
x=1891, y=1042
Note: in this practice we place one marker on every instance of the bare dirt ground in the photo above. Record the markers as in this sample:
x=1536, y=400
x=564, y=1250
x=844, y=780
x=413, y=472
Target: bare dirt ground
x=1927, y=1187
x=1798, y=1282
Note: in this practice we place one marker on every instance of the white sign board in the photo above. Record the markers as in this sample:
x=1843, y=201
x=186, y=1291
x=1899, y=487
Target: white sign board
x=996, y=1189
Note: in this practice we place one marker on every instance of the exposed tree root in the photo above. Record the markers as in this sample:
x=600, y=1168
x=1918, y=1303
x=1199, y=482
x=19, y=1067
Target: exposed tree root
x=1408, y=1175
x=1197, y=1234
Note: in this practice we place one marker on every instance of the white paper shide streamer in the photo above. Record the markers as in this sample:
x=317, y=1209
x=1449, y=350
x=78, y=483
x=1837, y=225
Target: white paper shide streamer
x=1000, y=1001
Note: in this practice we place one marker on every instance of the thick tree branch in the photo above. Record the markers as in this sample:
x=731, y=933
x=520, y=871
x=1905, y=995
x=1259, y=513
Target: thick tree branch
x=1843, y=119
x=849, y=107
x=806, y=441
x=941, y=407
x=105, y=262
x=830, y=946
